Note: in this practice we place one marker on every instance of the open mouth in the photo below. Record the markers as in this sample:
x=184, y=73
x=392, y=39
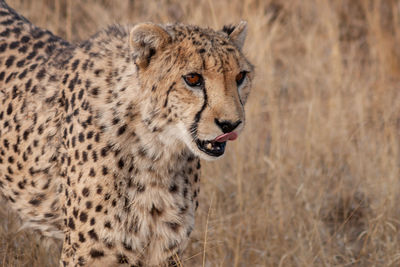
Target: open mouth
x=211, y=148
x=216, y=147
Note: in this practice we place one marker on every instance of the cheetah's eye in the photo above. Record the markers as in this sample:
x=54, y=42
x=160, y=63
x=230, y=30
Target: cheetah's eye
x=240, y=78
x=193, y=79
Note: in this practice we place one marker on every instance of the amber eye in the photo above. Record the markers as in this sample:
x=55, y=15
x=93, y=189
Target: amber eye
x=193, y=79
x=240, y=78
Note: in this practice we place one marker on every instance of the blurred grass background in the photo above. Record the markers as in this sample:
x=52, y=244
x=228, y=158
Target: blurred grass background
x=314, y=179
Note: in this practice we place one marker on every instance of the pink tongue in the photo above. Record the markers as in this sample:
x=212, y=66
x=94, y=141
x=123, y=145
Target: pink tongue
x=225, y=137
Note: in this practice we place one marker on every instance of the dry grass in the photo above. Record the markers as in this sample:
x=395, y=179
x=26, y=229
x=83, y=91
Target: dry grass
x=314, y=180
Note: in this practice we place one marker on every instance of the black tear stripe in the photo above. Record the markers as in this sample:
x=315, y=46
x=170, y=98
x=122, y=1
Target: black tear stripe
x=168, y=92
x=197, y=117
x=203, y=61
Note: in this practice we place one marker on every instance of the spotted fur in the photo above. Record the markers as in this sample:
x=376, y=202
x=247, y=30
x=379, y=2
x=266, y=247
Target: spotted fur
x=98, y=140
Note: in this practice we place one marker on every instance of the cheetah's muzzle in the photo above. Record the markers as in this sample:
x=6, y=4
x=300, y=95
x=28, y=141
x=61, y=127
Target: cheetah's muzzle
x=216, y=147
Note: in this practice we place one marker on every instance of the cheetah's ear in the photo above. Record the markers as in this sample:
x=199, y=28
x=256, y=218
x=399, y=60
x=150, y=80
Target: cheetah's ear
x=237, y=33
x=146, y=39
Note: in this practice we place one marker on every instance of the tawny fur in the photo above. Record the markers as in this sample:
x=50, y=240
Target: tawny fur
x=98, y=140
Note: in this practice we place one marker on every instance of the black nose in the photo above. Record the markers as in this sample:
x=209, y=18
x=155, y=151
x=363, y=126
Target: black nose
x=227, y=126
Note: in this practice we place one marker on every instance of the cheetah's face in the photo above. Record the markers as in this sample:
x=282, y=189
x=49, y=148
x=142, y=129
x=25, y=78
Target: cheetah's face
x=206, y=81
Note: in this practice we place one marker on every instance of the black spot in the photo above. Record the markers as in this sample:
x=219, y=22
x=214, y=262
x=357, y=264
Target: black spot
x=92, y=234
x=32, y=67
x=85, y=192
x=22, y=74
x=26, y=134
x=95, y=91
x=38, y=45
x=94, y=253
x=98, y=72
x=65, y=79
x=115, y=121
x=80, y=95
x=127, y=246
x=99, y=189
x=97, y=137
x=3, y=47
x=81, y=137
x=81, y=261
x=11, y=76
x=75, y=212
x=173, y=188
x=7, y=22
x=88, y=204
x=81, y=237
x=25, y=39
x=182, y=210
x=84, y=156
x=121, y=163
x=107, y=224
x=5, y=33
x=10, y=61
x=155, y=212
x=104, y=170
x=71, y=223
x=35, y=201
x=17, y=31
x=40, y=129
x=14, y=45
x=94, y=155
x=75, y=64
x=89, y=135
x=109, y=245
x=122, y=129
x=92, y=173
x=99, y=208
x=92, y=221
x=21, y=63
x=83, y=217
x=31, y=55
x=40, y=75
x=104, y=151
x=9, y=109
x=121, y=259
x=23, y=49
x=21, y=184
x=37, y=33
x=141, y=188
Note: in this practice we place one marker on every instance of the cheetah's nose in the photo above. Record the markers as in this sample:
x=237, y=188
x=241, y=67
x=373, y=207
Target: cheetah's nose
x=227, y=126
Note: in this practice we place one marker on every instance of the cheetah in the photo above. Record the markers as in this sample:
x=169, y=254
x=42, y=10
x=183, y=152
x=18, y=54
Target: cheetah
x=101, y=141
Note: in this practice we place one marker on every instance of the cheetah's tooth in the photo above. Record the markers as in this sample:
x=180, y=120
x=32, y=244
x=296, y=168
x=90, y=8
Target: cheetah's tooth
x=209, y=146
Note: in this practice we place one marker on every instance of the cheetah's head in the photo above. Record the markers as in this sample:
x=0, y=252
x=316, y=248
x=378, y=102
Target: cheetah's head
x=199, y=82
